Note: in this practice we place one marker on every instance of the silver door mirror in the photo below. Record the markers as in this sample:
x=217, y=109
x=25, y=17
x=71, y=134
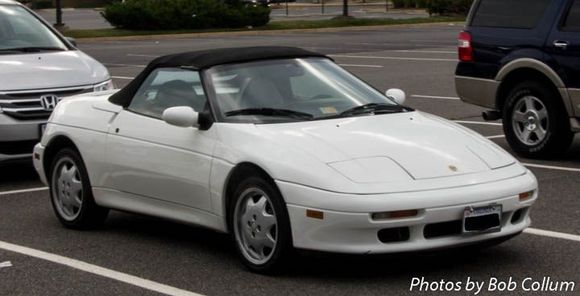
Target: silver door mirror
x=396, y=95
x=181, y=116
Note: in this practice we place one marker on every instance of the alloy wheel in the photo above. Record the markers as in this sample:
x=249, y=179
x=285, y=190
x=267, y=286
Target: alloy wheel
x=67, y=188
x=255, y=226
x=530, y=120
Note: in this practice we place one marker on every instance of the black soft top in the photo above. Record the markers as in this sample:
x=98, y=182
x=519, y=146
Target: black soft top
x=204, y=59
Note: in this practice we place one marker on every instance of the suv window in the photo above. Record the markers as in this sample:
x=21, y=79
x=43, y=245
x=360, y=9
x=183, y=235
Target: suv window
x=573, y=19
x=517, y=14
x=166, y=88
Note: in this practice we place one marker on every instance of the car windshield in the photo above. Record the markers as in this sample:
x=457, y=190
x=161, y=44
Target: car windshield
x=292, y=90
x=20, y=31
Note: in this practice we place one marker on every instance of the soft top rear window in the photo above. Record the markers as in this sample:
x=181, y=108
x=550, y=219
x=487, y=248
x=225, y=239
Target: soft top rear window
x=517, y=14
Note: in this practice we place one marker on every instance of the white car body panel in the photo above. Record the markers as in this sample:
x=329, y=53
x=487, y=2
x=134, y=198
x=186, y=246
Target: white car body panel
x=348, y=168
x=49, y=70
x=151, y=158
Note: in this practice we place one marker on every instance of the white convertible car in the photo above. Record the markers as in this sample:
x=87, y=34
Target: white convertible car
x=283, y=149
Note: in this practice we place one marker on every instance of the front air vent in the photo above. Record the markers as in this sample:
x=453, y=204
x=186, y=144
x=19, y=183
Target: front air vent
x=394, y=235
x=442, y=229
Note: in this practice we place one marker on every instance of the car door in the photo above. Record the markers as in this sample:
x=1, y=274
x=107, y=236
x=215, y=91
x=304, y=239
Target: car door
x=152, y=159
x=564, y=47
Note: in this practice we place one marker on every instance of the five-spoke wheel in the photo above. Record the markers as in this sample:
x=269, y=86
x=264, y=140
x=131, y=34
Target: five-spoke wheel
x=535, y=121
x=530, y=120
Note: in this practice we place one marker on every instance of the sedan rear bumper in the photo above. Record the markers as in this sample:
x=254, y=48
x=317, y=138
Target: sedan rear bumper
x=437, y=224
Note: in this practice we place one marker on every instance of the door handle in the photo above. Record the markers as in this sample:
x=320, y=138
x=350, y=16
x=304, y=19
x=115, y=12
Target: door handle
x=561, y=44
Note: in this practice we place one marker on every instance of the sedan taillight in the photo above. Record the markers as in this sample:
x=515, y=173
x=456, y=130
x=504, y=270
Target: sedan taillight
x=465, y=47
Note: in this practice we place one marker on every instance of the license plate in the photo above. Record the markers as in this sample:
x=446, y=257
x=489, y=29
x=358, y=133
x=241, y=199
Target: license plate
x=482, y=219
x=42, y=129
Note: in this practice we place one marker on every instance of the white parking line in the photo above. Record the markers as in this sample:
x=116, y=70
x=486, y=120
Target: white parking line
x=478, y=122
x=23, y=191
x=392, y=58
x=552, y=167
x=97, y=270
x=553, y=234
x=496, y=137
x=355, y=65
x=434, y=97
x=123, y=77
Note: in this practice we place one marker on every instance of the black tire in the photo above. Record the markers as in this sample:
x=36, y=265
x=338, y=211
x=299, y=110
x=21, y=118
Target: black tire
x=283, y=248
x=88, y=214
x=558, y=135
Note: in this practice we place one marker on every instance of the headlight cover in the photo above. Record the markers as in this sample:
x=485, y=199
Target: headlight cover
x=104, y=86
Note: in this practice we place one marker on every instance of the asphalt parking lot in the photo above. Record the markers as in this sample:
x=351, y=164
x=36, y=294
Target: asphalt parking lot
x=133, y=254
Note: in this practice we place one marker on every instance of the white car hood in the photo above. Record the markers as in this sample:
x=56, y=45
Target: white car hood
x=422, y=145
x=49, y=70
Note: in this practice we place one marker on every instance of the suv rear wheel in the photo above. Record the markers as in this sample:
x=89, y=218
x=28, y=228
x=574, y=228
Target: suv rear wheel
x=536, y=124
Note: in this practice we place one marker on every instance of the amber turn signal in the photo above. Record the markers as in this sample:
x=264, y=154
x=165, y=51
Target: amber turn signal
x=526, y=195
x=315, y=214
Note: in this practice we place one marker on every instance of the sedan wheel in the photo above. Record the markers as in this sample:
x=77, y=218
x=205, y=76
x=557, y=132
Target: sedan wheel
x=260, y=226
x=71, y=193
x=255, y=226
x=68, y=190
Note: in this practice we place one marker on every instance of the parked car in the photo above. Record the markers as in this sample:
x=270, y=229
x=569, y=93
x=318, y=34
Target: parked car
x=521, y=59
x=283, y=149
x=38, y=67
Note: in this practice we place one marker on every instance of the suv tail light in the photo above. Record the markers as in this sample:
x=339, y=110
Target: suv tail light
x=465, y=47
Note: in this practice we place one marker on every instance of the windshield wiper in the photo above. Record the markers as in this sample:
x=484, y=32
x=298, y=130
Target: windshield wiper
x=372, y=108
x=32, y=49
x=271, y=112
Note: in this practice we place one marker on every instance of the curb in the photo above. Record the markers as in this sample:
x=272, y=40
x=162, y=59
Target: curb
x=260, y=32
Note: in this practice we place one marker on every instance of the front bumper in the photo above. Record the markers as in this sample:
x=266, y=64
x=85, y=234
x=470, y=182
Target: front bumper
x=18, y=137
x=354, y=231
x=38, y=161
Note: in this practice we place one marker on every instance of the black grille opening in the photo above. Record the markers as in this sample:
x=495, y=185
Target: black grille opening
x=518, y=216
x=29, y=114
x=19, y=147
x=443, y=229
x=393, y=235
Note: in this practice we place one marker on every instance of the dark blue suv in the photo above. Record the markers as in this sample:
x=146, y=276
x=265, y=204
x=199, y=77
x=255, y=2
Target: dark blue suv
x=521, y=59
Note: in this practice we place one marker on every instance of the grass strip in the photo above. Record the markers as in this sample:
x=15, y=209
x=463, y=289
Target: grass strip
x=276, y=25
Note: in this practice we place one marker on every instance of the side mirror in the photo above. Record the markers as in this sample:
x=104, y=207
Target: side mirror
x=71, y=41
x=181, y=116
x=396, y=95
